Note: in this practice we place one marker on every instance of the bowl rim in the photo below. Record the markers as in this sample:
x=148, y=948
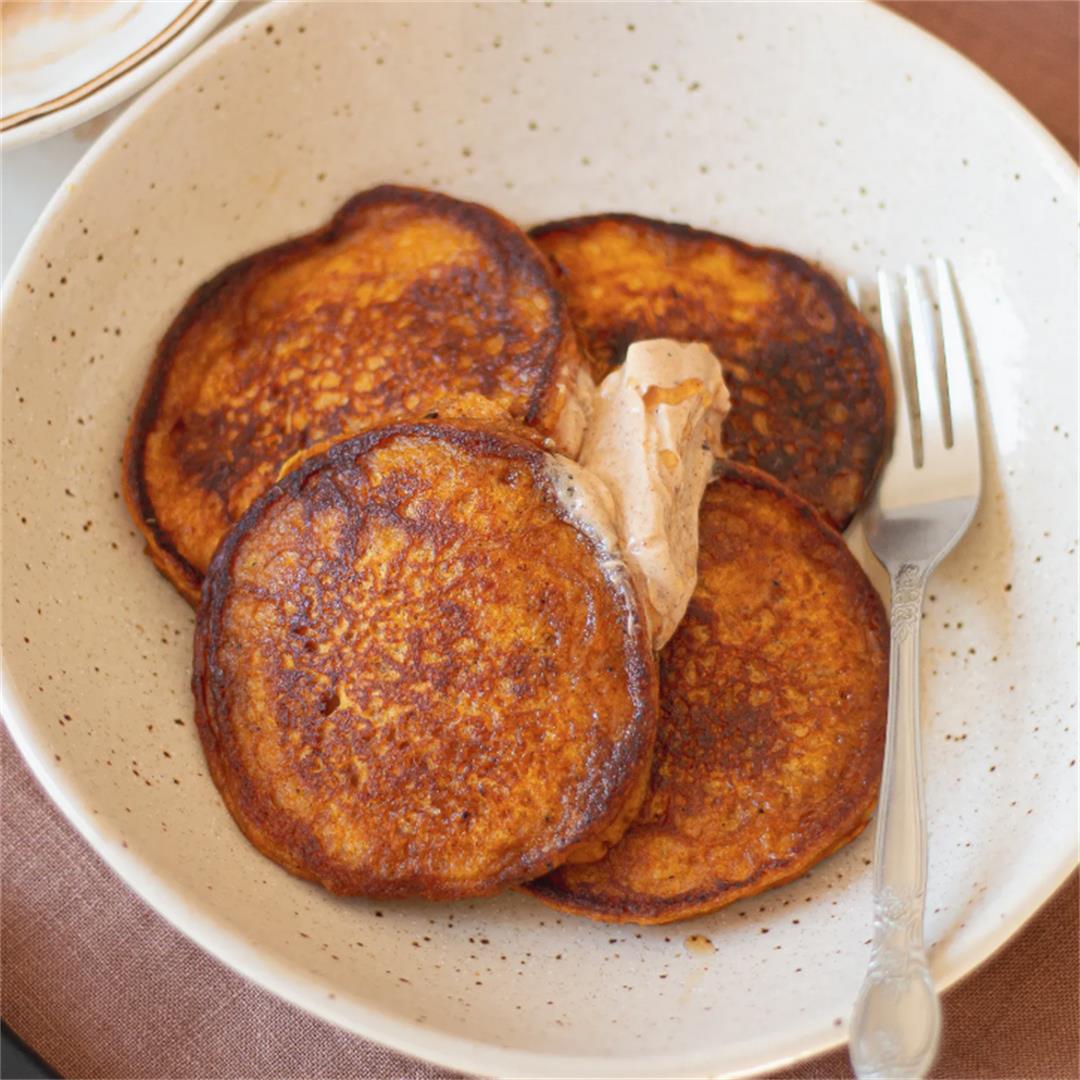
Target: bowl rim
x=370, y=1021
x=120, y=81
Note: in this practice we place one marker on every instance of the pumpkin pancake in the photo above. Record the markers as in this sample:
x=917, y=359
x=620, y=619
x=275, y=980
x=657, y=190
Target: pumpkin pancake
x=810, y=392
x=403, y=298
x=772, y=718
x=416, y=675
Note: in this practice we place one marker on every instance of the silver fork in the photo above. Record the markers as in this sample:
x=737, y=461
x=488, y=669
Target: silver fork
x=923, y=505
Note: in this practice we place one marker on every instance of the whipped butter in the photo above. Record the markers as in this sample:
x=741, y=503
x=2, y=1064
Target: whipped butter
x=589, y=504
x=574, y=416
x=646, y=458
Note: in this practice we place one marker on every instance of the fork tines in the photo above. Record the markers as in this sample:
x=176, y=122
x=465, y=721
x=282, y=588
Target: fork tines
x=928, y=352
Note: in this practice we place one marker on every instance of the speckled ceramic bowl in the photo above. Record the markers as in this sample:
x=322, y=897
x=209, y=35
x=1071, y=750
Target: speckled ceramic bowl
x=836, y=131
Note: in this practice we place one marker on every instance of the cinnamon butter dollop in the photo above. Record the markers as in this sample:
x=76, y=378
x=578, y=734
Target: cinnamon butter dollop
x=647, y=454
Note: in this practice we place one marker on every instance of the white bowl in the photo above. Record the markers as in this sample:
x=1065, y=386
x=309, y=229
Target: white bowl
x=840, y=132
x=65, y=63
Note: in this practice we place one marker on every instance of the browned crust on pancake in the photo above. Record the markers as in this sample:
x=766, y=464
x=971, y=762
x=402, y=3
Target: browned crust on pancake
x=810, y=386
x=192, y=465
x=772, y=718
x=414, y=676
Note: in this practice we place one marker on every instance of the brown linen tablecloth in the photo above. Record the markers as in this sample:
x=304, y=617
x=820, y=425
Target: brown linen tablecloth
x=101, y=986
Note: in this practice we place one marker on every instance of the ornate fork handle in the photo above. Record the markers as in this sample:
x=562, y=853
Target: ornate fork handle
x=897, y=1021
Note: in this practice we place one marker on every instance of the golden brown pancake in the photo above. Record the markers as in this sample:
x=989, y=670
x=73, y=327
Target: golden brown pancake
x=404, y=297
x=415, y=676
x=772, y=718
x=810, y=391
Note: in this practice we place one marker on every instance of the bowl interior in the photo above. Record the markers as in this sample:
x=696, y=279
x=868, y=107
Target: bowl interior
x=837, y=132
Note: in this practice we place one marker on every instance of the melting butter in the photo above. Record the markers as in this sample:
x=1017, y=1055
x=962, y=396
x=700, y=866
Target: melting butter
x=651, y=440
x=574, y=416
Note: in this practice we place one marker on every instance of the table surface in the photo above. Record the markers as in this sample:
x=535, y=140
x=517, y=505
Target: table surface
x=1031, y=48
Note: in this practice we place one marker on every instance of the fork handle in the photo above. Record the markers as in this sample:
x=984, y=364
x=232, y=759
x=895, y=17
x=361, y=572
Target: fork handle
x=896, y=1026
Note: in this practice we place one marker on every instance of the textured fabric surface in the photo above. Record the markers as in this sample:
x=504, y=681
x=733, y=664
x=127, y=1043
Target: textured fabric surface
x=101, y=986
